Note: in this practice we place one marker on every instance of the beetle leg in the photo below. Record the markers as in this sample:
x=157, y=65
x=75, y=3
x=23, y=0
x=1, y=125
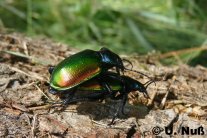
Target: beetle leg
x=121, y=107
x=128, y=62
x=69, y=97
x=117, y=70
x=50, y=69
x=52, y=91
x=114, y=97
x=105, y=85
x=123, y=104
x=119, y=78
x=107, y=89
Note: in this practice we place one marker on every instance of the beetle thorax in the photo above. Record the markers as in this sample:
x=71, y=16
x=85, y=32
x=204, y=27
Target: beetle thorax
x=110, y=59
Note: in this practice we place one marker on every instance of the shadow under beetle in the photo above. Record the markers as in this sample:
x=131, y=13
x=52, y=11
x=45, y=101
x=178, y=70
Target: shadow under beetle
x=121, y=86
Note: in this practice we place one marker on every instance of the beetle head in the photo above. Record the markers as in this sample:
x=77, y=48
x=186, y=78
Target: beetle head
x=52, y=91
x=134, y=85
x=50, y=69
x=140, y=87
x=111, y=59
x=143, y=87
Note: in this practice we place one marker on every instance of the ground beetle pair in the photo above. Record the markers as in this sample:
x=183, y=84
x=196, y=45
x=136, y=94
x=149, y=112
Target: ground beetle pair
x=88, y=71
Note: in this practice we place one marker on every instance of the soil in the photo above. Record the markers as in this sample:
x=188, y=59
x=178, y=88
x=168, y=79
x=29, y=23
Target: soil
x=177, y=100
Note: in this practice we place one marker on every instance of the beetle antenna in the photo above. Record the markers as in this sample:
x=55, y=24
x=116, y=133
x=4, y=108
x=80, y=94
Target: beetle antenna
x=139, y=73
x=128, y=62
x=150, y=82
x=147, y=82
x=146, y=95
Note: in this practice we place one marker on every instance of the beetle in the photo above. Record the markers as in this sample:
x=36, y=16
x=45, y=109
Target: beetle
x=81, y=67
x=121, y=86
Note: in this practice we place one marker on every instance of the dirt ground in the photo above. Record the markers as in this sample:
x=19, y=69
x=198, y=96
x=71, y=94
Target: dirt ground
x=178, y=100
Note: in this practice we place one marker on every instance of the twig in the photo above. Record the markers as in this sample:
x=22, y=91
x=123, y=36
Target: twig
x=179, y=52
x=164, y=100
x=40, y=107
x=178, y=58
x=33, y=125
x=32, y=59
x=12, y=111
x=151, y=99
x=27, y=118
x=26, y=85
x=24, y=44
x=27, y=74
x=42, y=92
x=108, y=126
x=19, y=107
x=100, y=124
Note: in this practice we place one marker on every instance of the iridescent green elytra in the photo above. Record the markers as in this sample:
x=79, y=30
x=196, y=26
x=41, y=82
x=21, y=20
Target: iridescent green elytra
x=116, y=83
x=75, y=70
x=94, y=85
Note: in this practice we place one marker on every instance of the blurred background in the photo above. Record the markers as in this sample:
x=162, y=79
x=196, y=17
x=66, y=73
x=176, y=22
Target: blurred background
x=174, y=30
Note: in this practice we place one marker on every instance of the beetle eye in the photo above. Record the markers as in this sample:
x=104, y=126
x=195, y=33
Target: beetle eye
x=149, y=82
